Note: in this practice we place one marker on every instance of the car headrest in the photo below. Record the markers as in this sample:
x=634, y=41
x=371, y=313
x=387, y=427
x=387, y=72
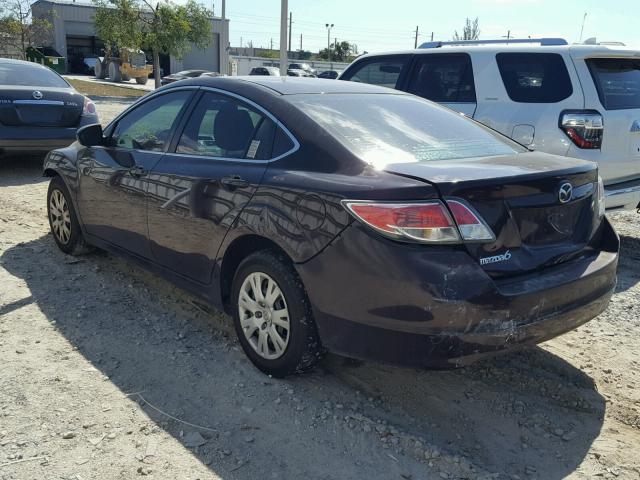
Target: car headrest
x=232, y=128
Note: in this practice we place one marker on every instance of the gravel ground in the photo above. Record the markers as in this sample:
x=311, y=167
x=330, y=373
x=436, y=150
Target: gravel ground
x=109, y=372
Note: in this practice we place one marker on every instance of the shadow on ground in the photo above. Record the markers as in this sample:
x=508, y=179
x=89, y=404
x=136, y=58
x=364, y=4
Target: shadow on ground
x=505, y=415
x=21, y=170
x=628, y=274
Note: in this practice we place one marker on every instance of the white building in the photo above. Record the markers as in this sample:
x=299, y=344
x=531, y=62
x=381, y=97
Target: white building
x=74, y=36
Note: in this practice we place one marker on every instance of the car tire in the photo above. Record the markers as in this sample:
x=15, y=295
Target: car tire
x=114, y=72
x=99, y=70
x=63, y=220
x=141, y=80
x=286, y=311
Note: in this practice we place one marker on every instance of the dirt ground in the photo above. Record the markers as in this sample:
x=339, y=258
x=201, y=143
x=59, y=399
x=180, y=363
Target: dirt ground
x=107, y=372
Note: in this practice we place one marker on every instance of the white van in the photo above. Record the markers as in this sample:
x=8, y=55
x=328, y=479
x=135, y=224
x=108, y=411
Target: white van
x=574, y=100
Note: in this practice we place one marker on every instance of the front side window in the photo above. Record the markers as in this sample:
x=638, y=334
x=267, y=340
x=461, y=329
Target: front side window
x=386, y=129
x=384, y=72
x=444, y=78
x=535, y=77
x=222, y=126
x=149, y=126
x=617, y=81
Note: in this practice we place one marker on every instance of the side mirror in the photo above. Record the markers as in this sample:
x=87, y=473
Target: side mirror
x=90, y=135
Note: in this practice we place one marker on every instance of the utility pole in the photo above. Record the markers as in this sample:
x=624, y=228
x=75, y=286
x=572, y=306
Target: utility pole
x=222, y=37
x=271, y=45
x=432, y=36
x=329, y=27
x=301, y=42
x=284, y=9
x=415, y=43
x=290, y=23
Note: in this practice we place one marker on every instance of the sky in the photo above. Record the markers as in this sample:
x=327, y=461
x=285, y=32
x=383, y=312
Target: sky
x=379, y=26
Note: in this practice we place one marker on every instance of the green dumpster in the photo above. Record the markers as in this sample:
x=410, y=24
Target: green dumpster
x=48, y=57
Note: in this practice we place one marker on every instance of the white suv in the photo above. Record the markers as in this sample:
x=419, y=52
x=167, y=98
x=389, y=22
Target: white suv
x=573, y=100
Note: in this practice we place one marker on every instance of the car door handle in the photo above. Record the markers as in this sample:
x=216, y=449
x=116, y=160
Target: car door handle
x=234, y=181
x=137, y=171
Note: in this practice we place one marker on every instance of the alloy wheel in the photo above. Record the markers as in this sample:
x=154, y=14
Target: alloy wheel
x=60, y=216
x=264, y=316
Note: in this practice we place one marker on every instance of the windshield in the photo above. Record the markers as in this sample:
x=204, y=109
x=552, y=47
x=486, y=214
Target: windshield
x=388, y=128
x=617, y=81
x=30, y=75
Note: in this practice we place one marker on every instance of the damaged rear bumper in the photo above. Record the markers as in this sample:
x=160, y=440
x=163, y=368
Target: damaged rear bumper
x=435, y=307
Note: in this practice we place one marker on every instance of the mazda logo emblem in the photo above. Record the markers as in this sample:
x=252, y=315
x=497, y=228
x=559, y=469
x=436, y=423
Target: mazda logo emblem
x=565, y=193
x=37, y=95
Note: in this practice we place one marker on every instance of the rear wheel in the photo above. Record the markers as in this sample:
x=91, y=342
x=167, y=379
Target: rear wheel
x=272, y=316
x=99, y=70
x=63, y=220
x=141, y=80
x=114, y=72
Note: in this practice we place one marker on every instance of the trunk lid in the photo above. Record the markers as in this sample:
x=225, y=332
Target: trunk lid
x=518, y=198
x=42, y=107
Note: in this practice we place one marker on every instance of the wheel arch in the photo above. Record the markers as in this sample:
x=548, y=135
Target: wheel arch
x=237, y=251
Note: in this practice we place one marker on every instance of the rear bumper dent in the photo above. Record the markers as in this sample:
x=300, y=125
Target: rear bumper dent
x=424, y=314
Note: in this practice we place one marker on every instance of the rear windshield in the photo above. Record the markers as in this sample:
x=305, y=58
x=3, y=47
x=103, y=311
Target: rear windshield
x=30, y=76
x=617, y=81
x=383, y=129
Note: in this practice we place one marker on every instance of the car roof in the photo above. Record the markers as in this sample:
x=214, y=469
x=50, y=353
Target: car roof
x=285, y=85
x=579, y=50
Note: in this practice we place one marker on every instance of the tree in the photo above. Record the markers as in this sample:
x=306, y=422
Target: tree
x=19, y=30
x=471, y=31
x=165, y=27
x=340, y=52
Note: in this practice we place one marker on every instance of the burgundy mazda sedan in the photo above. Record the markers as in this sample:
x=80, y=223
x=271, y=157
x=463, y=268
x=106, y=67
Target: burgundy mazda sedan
x=336, y=216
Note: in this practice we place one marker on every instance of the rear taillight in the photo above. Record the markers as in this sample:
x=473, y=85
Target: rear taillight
x=426, y=222
x=583, y=127
x=471, y=226
x=89, y=107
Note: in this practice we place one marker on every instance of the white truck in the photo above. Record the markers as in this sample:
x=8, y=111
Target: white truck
x=580, y=100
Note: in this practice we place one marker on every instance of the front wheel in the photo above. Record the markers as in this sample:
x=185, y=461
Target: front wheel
x=272, y=316
x=63, y=220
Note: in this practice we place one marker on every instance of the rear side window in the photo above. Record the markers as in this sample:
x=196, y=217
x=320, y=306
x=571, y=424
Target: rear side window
x=222, y=126
x=535, y=77
x=617, y=81
x=443, y=78
x=383, y=72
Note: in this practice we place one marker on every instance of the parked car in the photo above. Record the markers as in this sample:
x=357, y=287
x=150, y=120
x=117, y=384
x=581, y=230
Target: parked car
x=330, y=74
x=303, y=66
x=292, y=72
x=273, y=71
x=89, y=63
x=39, y=110
x=578, y=101
x=339, y=216
x=184, y=74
